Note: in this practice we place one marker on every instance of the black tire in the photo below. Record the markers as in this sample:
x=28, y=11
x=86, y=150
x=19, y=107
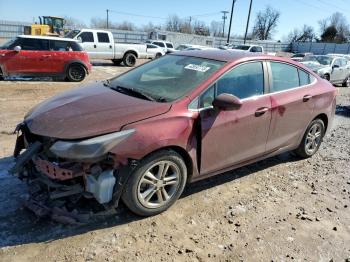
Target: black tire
x=346, y=82
x=129, y=59
x=117, y=61
x=135, y=188
x=158, y=55
x=1, y=75
x=303, y=150
x=76, y=73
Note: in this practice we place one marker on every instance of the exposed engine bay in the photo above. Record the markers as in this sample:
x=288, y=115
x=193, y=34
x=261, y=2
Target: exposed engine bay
x=65, y=190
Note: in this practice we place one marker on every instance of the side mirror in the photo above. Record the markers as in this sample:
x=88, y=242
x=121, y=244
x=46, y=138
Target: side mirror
x=80, y=40
x=227, y=102
x=335, y=66
x=17, y=48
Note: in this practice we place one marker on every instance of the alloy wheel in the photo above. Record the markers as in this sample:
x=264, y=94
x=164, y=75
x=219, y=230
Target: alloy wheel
x=158, y=184
x=313, y=138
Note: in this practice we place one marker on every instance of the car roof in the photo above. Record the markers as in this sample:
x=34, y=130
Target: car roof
x=47, y=38
x=234, y=55
x=217, y=54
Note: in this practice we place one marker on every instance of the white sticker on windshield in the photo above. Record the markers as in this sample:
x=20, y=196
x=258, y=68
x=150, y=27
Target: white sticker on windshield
x=198, y=68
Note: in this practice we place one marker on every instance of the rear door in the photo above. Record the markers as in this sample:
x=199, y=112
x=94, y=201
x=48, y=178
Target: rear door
x=231, y=137
x=34, y=57
x=105, y=45
x=292, y=105
x=89, y=43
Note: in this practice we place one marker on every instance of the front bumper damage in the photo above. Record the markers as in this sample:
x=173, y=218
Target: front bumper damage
x=66, y=191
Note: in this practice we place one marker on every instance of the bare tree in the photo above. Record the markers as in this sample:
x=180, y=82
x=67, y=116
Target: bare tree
x=73, y=23
x=173, y=23
x=305, y=34
x=216, y=28
x=200, y=28
x=98, y=22
x=335, y=28
x=265, y=23
x=125, y=25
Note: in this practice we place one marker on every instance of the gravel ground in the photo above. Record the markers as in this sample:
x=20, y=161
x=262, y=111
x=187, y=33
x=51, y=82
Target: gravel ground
x=280, y=209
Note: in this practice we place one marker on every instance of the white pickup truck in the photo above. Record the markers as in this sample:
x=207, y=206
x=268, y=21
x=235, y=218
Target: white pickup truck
x=99, y=44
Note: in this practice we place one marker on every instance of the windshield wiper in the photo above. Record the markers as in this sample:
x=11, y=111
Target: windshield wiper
x=133, y=92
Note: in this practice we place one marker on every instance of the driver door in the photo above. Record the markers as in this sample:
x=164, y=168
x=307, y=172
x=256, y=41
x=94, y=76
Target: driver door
x=232, y=137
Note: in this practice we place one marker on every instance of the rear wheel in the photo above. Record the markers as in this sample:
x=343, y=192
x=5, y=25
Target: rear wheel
x=156, y=184
x=1, y=75
x=76, y=73
x=346, y=82
x=129, y=59
x=312, y=139
x=158, y=55
x=117, y=61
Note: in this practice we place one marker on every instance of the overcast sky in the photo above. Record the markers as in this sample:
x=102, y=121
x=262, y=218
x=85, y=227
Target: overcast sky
x=294, y=13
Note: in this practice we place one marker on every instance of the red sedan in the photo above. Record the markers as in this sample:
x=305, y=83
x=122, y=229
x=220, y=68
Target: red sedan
x=44, y=56
x=189, y=115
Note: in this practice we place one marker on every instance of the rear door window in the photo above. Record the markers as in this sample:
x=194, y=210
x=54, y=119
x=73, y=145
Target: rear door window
x=244, y=81
x=34, y=44
x=159, y=44
x=284, y=77
x=168, y=45
x=304, y=78
x=103, y=38
x=87, y=37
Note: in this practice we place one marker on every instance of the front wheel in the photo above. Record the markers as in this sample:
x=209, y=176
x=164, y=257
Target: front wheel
x=129, y=59
x=158, y=55
x=312, y=139
x=156, y=184
x=76, y=73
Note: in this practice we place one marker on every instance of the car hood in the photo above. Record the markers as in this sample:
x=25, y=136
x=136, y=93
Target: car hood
x=89, y=111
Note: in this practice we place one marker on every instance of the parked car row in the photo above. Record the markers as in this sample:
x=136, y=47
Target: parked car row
x=333, y=67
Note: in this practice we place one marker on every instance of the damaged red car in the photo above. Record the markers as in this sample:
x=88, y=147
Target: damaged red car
x=142, y=136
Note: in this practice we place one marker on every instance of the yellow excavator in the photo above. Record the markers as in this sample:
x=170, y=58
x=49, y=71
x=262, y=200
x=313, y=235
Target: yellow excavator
x=48, y=26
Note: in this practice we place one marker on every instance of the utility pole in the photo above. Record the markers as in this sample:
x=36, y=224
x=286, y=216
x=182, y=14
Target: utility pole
x=229, y=28
x=107, y=18
x=224, y=17
x=246, y=29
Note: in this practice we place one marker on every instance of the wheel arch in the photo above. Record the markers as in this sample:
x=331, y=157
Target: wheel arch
x=72, y=62
x=183, y=153
x=324, y=118
x=132, y=52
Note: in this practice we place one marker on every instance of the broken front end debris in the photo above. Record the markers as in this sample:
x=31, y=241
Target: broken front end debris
x=70, y=180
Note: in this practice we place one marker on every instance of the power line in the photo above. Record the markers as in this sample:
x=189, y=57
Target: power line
x=335, y=6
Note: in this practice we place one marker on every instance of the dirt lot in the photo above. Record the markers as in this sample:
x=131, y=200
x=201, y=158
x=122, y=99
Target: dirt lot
x=280, y=209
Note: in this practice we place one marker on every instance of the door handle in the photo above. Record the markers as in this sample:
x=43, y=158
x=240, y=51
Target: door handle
x=307, y=98
x=95, y=46
x=2, y=54
x=46, y=55
x=261, y=111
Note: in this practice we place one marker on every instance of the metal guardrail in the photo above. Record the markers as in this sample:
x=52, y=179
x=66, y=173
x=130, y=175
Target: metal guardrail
x=321, y=48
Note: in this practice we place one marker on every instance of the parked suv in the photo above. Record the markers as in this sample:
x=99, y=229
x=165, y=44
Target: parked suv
x=167, y=47
x=44, y=56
